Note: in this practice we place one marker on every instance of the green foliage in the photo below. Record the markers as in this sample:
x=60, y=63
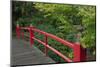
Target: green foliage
x=89, y=22
x=64, y=21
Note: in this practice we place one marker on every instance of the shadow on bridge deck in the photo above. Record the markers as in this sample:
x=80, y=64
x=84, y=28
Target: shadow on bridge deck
x=23, y=54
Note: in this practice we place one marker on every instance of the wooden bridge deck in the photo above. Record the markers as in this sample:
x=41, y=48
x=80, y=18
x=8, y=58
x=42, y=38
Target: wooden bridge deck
x=23, y=54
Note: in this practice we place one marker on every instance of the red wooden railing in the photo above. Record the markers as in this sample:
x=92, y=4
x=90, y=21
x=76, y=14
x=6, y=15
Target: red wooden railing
x=78, y=51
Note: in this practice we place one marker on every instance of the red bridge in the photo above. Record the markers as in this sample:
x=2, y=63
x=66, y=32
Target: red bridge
x=78, y=51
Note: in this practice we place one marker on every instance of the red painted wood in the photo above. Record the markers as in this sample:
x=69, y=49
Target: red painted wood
x=54, y=50
x=31, y=35
x=78, y=50
x=83, y=54
x=18, y=31
x=79, y=53
x=64, y=42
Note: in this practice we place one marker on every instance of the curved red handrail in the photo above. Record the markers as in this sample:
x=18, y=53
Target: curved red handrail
x=77, y=50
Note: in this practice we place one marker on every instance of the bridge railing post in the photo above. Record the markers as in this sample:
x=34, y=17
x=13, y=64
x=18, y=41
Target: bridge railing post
x=31, y=34
x=18, y=31
x=79, y=52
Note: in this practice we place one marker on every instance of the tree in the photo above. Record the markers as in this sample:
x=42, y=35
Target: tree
x=64, y=21
x=89, y=23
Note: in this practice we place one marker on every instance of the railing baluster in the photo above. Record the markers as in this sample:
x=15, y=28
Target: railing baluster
x=78, y=50
x=31, y=35
x=18, y=31
x=79, y=53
